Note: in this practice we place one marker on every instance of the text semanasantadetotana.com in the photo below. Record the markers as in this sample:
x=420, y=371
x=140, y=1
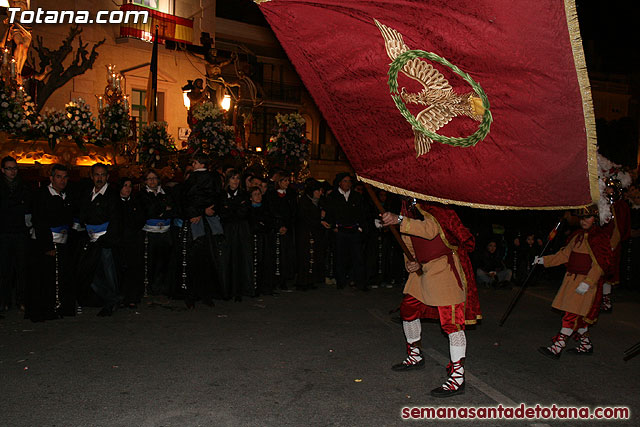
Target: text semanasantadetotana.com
x=521, y=412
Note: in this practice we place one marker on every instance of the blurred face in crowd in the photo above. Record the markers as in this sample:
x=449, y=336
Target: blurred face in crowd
x=317, y=193
x=587, y=222
x=197, y=165
x=99, y=177
x=264, y=186
x=152, y=181
x=530, y=240
x=10, y=170
x=255, y=182
x=126, y=189
x=234, y=182
x=345, y=184
x=283, y=184
x=247, y=181
x=59, y=180
x=491, y=247
x=256, y=196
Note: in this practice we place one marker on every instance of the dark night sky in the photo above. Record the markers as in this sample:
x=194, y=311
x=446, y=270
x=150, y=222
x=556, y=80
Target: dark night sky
x=609, y=31
x=610, y=35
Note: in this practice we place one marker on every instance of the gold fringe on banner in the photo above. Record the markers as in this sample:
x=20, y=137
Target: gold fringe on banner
x=585, y=92
x=419, y=196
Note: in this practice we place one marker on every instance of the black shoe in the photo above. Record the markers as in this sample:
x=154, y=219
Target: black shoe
x=401, y=367
x=546, y=352
x=578, y=352
x=105, y=312
x=442, y=392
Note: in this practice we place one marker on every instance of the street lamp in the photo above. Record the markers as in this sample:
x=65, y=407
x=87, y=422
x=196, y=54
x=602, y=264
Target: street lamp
x=226, y=103
x=185, y=99
x=186, y=90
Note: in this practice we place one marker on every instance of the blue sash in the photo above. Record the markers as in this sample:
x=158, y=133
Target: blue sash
x=97, y=228
x=158, y=222
x=60, y=229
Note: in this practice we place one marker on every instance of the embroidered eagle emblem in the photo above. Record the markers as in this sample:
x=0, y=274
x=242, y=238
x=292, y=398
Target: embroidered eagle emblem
x=442, y=103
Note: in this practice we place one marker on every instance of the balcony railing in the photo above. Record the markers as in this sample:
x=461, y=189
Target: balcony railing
x=170, y=27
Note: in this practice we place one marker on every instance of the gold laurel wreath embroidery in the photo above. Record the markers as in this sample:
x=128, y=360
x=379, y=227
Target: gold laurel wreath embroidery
x=443, y=104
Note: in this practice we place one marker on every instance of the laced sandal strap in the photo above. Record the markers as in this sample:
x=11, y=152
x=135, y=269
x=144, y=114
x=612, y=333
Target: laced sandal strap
x=456, y=377
x=414, y=355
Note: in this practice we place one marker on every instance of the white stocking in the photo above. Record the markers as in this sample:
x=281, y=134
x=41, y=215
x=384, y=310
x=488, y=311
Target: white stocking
x=457, y=345
x=412, y=330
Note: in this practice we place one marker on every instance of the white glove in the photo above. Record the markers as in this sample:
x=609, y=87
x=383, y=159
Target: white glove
x=377, y=223
x=582, y=288
x=538, y=260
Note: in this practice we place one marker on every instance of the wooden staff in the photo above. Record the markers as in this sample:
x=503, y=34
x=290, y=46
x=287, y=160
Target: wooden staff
x=393, y=228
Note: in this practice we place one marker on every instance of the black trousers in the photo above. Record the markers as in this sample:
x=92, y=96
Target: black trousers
x=129, y=260
x=13, y=267
x=349, y=259
x=98, y=275
x=159, y=247
x=51, y=292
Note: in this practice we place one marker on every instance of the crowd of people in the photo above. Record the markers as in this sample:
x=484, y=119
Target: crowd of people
x=219, y=234
x=227, y=234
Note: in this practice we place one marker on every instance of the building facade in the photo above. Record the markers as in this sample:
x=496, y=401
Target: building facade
x=181, y=24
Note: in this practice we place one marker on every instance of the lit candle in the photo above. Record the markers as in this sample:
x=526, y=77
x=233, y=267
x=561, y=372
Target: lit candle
x=12, y=68
x=113, y=80
x=100, y=102
x=20, y=94
x=5, y=56
x=117, y=82
x=126, y=103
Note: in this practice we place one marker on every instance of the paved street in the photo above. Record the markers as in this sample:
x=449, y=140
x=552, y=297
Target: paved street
x=300, y=358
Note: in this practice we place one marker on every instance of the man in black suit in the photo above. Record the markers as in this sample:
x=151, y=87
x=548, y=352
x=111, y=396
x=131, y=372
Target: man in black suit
x=101, y=215
x=204, y=251
x=346, y=212
x=15, y=212
x=51, y=293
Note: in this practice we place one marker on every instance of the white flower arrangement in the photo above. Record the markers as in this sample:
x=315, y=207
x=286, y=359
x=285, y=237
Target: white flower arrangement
x=155, y=141
x=209, y=134
x=16, y=118
x=607, y=169
x=289, y=147
x=75, y=122
x=115, y=123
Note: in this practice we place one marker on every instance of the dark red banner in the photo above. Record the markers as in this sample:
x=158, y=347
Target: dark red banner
x=525, y=57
